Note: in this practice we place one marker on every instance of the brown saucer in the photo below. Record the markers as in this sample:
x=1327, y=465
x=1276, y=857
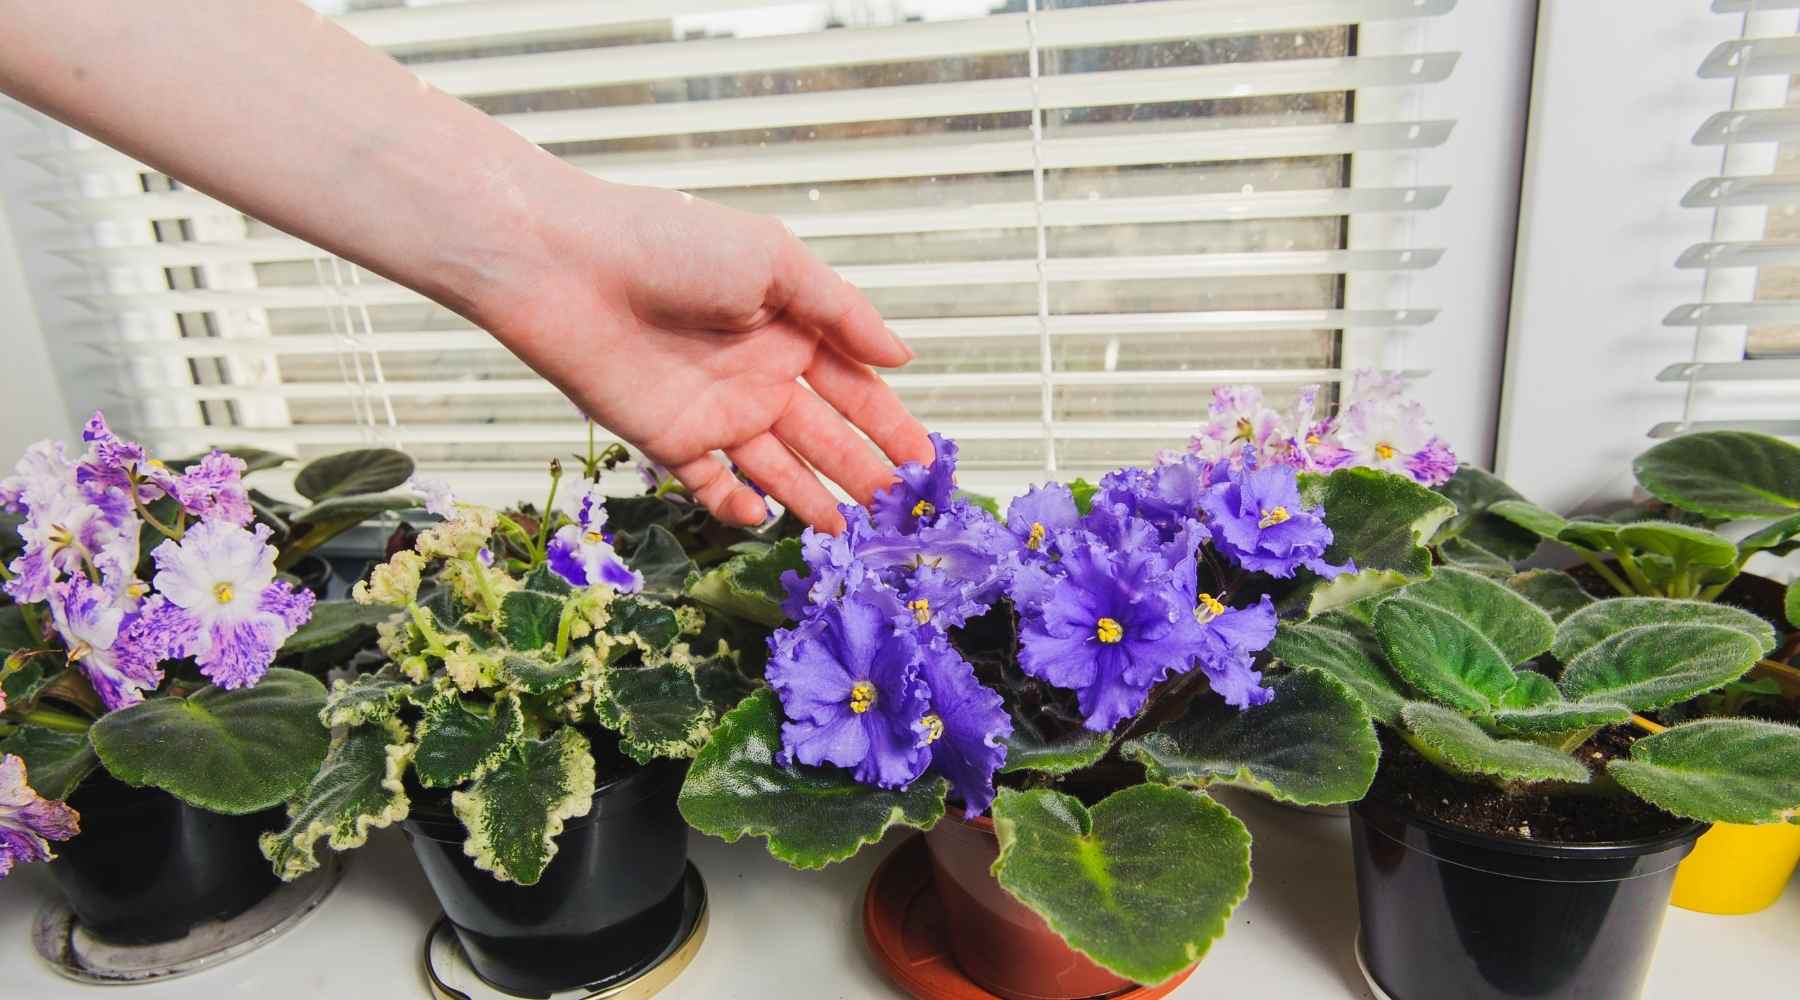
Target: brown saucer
x=903, y=921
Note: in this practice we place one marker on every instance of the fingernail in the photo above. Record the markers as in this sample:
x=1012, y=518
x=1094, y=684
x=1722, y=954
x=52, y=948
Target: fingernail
x=910, y=354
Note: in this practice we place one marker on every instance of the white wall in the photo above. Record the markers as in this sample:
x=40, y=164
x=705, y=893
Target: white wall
x=32, y=405
x=1615, y=100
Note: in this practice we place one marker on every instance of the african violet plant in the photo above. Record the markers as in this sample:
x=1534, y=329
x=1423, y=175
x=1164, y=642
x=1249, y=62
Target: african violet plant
x=146, y=615
x=1080, y=669
x=509, y=653
x=1375, y=427
x=1489, y=686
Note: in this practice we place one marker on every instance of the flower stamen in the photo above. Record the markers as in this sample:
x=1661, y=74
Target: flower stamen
x=921, y=609
x=223, y=593
x=79, y=650
x=923, y=508
x=1209, y=609
x=1246, y=431
x=592, y=537
x=1273, y=516
x=1108, y=630
x=1036, y=539
x=934, y=728
x=862, y=697
x=1384, y=451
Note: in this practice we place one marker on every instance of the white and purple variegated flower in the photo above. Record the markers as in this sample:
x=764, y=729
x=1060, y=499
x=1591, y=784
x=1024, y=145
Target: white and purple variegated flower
x=68, y=526
x=1393, y=435
x=582, y=553
x=105, y=643
x=1238, y=417
x=213, y=489
x=28, y=821
x=436, y=494
x=220, y=603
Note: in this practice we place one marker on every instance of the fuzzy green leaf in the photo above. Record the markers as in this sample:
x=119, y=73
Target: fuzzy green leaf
x=14, y=633
x=459, y=741
x=1679, y=543
x=1475, y=492
x=811, y=816
x=1718, y=771
x=349, y=511
x=1589, y=533
x=653, y=627
x=536, y=674
x=1652, y=652
x=1142, y=884
x=515, y=811
x=1312, y=745
x=1467, y=555
x=1346, y=649
x=529, y=619
x=1530, y=517
x=360, y=787
x=55, y=761
x=1556, y=592
x=1457, y=636
x=368, y=698
x=1724, y=474
x=1462, y=747
x=1380, y=521
x=660, y=558
x=1559, y=716
x=1778, y=538
x=1027, y=749
x=749, y=586
x=1790, y=604
x=655, y=706
x=230, y=752
x=351, y=473
x=333, y=622
x=544, y=580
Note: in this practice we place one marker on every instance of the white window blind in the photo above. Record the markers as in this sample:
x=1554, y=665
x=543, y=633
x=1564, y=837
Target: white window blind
x=1082, y=214
x=1746, y=324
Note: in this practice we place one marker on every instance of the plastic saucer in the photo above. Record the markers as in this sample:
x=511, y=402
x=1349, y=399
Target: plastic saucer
x=451, y=977
x=903, y=921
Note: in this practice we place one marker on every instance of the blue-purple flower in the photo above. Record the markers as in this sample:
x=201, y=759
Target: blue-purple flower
x=212, y=489
x=832, y=568
x=582, y=553
x=104, y=642
x=1259, y=522
x=219, y=601
x=28, y=821
x=1107, y=631
x=848, y=680
x=920, y=493
x=966, y=727
x=1043, y=512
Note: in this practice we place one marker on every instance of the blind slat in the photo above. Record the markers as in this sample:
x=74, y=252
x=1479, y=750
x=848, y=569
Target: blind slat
x=1752, y=57
x=1733, y=313
x=1757, y=370
x=1747, y=253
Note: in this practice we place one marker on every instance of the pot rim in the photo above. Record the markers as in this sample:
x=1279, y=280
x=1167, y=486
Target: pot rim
x=1599, y=850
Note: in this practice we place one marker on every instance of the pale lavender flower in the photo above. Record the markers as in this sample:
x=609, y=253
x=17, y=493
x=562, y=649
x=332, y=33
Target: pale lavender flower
x=1393, y=435
x=436, y=494
x=582, y=553
x=223, y=605
x=28, y=821
x=1238, y=417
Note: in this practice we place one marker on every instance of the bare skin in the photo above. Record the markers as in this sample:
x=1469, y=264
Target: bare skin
x=681, y=326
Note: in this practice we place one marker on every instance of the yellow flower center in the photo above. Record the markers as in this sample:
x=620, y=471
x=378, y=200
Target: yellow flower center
x=137, y=588
x=592, y=537
x=862, y=697
x=60, y=536
x=156, y=463
x=923, y=509
x=1036, y=540
x=1384, y=451
x=921, y=609
x=1109, y=630
x=1273, y=516
x=1245, y=430
x=223, y=593
x=79, y=650
x=934, y=728
x=1312, y=439
x=1209, y=608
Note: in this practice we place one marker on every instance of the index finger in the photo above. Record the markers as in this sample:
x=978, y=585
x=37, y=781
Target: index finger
x=812, y=294
x=855, y=391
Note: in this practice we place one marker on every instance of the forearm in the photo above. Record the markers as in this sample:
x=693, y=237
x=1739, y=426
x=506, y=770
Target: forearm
x=278, y=112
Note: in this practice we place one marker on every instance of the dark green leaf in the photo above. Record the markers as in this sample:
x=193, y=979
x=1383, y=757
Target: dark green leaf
x=1142, y=884
x=1462, y=747
x=1778, y=538
x=358, y=788
x=459, y=741
x=1382, y=522
x=661, y=559
x=1346, y=649
x=1718, y=771
x=1530, y=517
x=811, y=816
x=544, y=580
x=367, y=698
x=1027, y=749
x=655, y=706
x=348, y=473
x=1467, y=555
x=333, y=622
x=1724, y=474
x=1312, y=745
x=348, y=511
x=14, y=633
x=1474, y=491
x=230, y=752
x=1556, y=592
x=1535, y=707
x=55, y=762
x=750, y=586
x=1652, y=652
x=651, y=624
x=1790, y=604
x=536, y=674
x=515, y=812
x=529, y=619
x=23, y=685
x=1679, y=543
x=1457, y=636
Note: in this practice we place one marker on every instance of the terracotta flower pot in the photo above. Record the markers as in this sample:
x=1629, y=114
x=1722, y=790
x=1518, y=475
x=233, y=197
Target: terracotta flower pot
x=1004, y=947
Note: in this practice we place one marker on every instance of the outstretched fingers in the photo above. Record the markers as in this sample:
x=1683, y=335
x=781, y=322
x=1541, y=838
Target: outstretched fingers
x=712, y=484
x=818, y=433
x=788, y=480
x=855, y=391
x=816, y=296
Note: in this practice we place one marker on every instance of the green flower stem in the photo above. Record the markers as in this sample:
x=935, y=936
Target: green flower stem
x=517, y=535
x=538, y=551
x=434, y=642
x=1594, y=563
x=1632, y=571
x=174, y=533
x=564, y=624
x=63, y=722
x=486, y=589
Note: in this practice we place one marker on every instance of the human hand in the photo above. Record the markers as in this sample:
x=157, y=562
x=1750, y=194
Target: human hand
x=683, y=327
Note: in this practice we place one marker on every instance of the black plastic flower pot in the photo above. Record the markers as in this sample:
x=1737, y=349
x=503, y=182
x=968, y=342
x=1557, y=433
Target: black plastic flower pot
x=147, y=866
x=607, y=907
x=1451, y=913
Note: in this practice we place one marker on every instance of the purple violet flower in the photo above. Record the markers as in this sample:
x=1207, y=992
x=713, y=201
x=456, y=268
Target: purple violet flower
x=848, y=680
x=221, y=603
x=920, y=494
x=582, y=553
x=1041, y=514
x=28, y=821
x=1107, y=631
x=966, y=728
x=1259, y=523
x=1228, y=640
x=935, y=600
x=212, y=489
x=104, y=642
x=831, y=564
x=111, y=461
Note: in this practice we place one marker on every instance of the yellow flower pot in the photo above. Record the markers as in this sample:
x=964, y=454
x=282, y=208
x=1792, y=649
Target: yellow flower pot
x=1737, y=868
